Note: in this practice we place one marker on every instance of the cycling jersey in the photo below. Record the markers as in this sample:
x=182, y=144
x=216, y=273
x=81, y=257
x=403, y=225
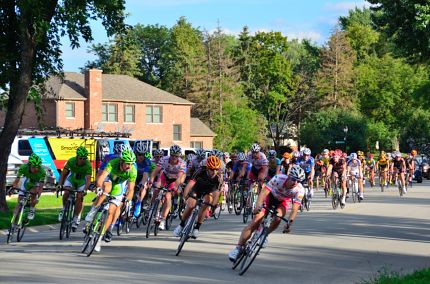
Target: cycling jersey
x=259, y=162
x=77, y=174
x=399, y=164
x=306, y=165
x=205, y=184
x=118, y=177
x=326, y=161
x=354, y=166
x=278, y=189
x=337, y=167
x=106, y=160
x=383, y=163
x=171, y=171
x=143, y=167
x=193, y=165
x=273, y=164
x=370, y=163
x=31, y=179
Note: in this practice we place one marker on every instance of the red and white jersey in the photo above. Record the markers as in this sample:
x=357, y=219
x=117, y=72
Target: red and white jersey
x=259, y=162
x=278, y=189
x=171, y=171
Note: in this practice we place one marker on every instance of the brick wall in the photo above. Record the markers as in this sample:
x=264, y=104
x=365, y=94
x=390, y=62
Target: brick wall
x=29, y=119
x=207, y=141
x=67, y=122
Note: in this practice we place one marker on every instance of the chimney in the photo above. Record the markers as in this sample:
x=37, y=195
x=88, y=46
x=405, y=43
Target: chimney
x=93, y=93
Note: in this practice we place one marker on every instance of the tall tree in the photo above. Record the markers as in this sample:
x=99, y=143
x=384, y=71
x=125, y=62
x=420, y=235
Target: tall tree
x=407, y=22
x=336, y=73
x=30, y=33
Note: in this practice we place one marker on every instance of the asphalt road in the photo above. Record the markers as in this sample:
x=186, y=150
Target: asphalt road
x=384, y=233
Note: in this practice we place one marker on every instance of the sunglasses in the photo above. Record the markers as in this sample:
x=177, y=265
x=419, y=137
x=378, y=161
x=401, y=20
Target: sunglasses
x=82, y=158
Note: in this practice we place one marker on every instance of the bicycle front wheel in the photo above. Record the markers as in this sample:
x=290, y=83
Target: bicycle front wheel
x=252, y=251
x=151, y=219
x=237, y=200
x=97, y=232
x=335, y=201
x=63, y=226
x=10, y=234
x=186, y=232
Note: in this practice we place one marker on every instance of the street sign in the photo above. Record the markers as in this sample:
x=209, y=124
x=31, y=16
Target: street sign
x=340, y=142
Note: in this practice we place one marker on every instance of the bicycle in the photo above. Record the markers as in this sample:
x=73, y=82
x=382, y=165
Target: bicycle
x=238, y=203
x=230, y=196
x=69, y=211
x=399, y=185
x=216, y=212
x=22, y=216
x=95, y=230
x=175, y=210
x=153, y=214
x=336, y=196
x=189, y=225
x=253, y=246
x=382, y=180
x=354, y=185
x=125, y=219
x=249, y=199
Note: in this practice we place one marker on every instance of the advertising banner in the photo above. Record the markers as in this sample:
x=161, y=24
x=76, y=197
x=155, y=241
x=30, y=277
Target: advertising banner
x=39, y=147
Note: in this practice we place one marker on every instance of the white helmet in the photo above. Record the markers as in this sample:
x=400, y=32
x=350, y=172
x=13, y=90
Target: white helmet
x=297, y=173
x=307, y=151
x=141, y=147
x=119, y=147
x=158, y=152
x=200, y=153
x=271, y=154
x=255, y=147
x=241, y=156
x=296, y=154
x=353, y=156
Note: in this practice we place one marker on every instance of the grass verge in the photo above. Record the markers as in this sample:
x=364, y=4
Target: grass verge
x=418, y=277
x=46, y=210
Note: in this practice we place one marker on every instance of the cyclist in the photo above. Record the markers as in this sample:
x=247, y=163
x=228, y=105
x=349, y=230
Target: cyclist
x=75, y=175
x=285, y=162
x=337, y=167
x=117, y=180
x=171, y=169
x=205, y=182
x=398, y=167
x=117, y=149
x=354, y=168
x=274, y=164
x=320, y=170
x=382, y=165
x=259, y=167
x=410, y=165
x=33, y=178
x=370, y=168
x=143, y=165
x=194, y=164
x=279, y=192
x=308, y=165
x=325, y=158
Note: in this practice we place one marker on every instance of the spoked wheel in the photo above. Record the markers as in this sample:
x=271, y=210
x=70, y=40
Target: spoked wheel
x=354, y=194
x=69, y=221
x=400, y=188
x=63, y=226
x=252, y=251
x=308, y=204
x=10, y=234
x=335, y=201
x=184, y=237
x=237, y=202
x=150, y=222
x=21, y=231
x=301, y=204
x=96, y=233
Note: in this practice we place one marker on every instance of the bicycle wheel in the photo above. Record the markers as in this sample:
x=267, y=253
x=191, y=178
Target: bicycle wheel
x=301, y=204
x=339, y=201
x=308, y=204
x=120, y=222
x=21, y=231
x=186, y=232
x=151, y=218
x=245, y=208
x=230, y=200
x=97, y=232
x=335, y=200
x=169, y=220
x=217, y=211
x=252, y=251
x=237, y=200
x=354, y=192
x=63, y=226
x=400, y=188
x=69, y=220
x=10, y=233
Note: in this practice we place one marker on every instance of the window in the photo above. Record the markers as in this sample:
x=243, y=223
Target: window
x=177, y=132
x=197, y=144
x=128, y=113
x=24, y=148
x=154, y=114
x=70, y=110
x=110, y=112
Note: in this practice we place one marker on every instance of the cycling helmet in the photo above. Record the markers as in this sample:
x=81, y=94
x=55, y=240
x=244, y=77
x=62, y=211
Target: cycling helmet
x=371, y=156
x=255, y=147
x=190, y=157
x=344, y=155
x=296, y=154
x=81, y=152
x=360, y=153
x=158, y=152
x=398, y=154
x=272, y=154
x=34, y=160
x=127, y=156
x=297, y=173
x=200, y=153
x=148, y=155
x=219, y=154
x=241, y=156
x=414, y=152
x=213, y=163
x=286, y=155
x=119, y=147
x=353, y=156
x=307, y=151
x=141, y=148
x=325, y=151
x=226, y=155
x=175, y=150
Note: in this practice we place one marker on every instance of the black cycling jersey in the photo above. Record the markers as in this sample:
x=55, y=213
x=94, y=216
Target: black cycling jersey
x=205, y=184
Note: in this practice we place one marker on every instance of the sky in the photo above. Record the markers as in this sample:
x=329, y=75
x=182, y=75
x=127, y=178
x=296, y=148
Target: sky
x=310, y=19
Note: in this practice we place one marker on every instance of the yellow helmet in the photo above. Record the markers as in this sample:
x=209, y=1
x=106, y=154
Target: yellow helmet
x=360, y=153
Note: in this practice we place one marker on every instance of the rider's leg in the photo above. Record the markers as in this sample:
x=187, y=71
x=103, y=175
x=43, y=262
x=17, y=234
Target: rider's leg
x=166, y=205
x=250, y=228
x=281, y=210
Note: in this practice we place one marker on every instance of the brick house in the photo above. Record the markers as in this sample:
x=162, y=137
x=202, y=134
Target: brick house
x=108, y=102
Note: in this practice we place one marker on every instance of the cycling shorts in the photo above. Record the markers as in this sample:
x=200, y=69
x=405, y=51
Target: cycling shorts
x=78, y=185
x=167, y=183
x=26, y=184
x=273, y=202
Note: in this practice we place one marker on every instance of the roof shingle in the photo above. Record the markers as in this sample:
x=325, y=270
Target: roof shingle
x=198, y=128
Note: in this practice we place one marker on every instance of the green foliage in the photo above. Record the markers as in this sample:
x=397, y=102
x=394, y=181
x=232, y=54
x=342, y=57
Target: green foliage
x=416, y=133
x=387, y=277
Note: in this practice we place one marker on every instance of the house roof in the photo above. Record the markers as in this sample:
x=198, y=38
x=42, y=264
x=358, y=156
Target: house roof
x=198, y=128
x=114, y=88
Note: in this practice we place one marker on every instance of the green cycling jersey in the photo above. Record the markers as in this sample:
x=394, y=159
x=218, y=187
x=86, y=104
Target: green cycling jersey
x=119, y=177
x=31, y=179
x=78, y=173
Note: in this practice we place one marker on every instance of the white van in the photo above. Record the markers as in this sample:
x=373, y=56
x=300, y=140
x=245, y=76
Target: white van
x=185, y=151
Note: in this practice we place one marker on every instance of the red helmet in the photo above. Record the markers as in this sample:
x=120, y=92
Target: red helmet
x=371, y=155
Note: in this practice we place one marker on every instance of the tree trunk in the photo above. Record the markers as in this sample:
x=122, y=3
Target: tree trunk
x=17, y=100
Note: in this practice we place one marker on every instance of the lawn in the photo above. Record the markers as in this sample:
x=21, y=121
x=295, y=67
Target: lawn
x=46, y=210
x=417, y=277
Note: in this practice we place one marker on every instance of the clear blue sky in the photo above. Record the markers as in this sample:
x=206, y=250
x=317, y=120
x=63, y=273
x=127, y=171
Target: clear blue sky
x=312, y=19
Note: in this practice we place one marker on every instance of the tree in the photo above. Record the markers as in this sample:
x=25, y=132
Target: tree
x=416, y=134
x=30, y=51
x=336, y=73
x=120, y=56
x=407, y=22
